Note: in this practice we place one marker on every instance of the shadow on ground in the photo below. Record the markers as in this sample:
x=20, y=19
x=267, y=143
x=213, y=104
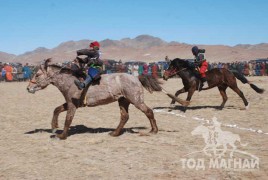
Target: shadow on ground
x=182, y=108
x=81, y=129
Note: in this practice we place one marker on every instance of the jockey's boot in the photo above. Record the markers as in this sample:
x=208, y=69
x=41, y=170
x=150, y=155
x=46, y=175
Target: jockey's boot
x=204, y=83
x=82, y=85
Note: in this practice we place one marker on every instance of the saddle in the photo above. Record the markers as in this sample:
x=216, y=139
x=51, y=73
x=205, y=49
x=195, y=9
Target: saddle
x=80, y=74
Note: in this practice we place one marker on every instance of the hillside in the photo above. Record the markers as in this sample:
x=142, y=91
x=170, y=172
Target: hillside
x=144, y=47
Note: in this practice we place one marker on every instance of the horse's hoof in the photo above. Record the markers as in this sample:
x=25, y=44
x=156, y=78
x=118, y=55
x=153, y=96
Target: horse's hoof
x=219, y=108
x=114, y=134
x=153, y=131
x=186, y=103
x=247, y=107
x=61, y=137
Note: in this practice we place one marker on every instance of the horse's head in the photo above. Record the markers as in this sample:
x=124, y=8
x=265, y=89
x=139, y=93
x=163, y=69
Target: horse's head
x=41, y=79
x=177, y=65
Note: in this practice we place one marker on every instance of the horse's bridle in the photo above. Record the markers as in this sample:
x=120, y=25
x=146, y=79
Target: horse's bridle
x=37, y=83
x=176, y=72
x=44, y=79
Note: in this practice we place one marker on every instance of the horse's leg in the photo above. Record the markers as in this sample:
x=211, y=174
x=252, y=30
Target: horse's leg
x=222, y=90
x=69, y=117
x=150, y=115
x=57, y=111
x=191, y=91
x=240, y=93
x=177, y=94
x=123, y=104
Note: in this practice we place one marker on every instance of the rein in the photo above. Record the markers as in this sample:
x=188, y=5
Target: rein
x=48, y=77
x=176, y=72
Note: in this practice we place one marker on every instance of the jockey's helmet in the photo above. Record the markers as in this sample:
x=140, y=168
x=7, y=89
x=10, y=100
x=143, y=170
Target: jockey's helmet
x=95, y=45
x=195, y=50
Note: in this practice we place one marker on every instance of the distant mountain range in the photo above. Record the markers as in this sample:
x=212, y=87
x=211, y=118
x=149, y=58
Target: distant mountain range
x=143, y=48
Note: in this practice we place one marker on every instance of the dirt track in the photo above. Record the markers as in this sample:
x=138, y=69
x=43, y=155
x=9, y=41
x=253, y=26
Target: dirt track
x=28, y=152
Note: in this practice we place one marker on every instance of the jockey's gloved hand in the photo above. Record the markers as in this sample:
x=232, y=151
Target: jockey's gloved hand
x=196, y=64
x=85, y=66
x=80, y=60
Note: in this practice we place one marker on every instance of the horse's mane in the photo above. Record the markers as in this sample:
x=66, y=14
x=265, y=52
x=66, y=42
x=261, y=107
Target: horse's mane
x=178, y=60
x=61, y=69
x=183, y=63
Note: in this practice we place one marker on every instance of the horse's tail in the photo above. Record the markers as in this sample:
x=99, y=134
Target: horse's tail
x=152, y=84
x=244, y=80
x=149, y=83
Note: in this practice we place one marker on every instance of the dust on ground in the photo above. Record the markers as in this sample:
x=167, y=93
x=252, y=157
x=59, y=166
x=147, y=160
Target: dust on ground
x=28, y=152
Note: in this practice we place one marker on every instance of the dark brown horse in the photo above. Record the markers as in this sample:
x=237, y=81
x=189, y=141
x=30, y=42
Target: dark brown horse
x=218, y=77
x=120, y=87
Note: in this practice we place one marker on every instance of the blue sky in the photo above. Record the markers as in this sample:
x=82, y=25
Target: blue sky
x=29, y=24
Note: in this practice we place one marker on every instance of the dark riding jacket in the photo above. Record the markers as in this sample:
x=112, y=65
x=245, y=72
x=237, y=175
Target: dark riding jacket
x=92, y=58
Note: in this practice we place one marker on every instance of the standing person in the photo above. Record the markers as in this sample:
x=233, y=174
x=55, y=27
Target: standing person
x=266, y=67
x=160, y=70
x=129, y=69
x=1, y=67
x=246, y=69
x=155, y=70
x=14, y=73
x=262, y=65
x=258, y=69
x=8, y=68
x=201, y=62
x=165, y=66
x=26, y=72
x=254, y=68
x=240, y=67
x=150, y=69
x=145, y=69
x=92, y=61
x=250, y=66
x=20, y=73
x=135, y=70
x=167, y=59
x=140, y=69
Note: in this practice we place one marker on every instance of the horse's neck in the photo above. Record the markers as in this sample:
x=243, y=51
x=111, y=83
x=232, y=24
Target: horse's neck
x=186, y=74
x=62, y=81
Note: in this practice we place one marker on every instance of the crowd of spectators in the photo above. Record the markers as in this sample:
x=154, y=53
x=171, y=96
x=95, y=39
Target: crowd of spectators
x=15, y=72
x=18, y=72
x=156, y=69
x=136, y=68
x=248, y=68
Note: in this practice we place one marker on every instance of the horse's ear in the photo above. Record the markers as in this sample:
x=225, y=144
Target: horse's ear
x=47, y=61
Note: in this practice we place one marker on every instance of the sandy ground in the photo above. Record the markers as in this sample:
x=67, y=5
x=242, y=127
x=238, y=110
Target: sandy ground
x=28, y=152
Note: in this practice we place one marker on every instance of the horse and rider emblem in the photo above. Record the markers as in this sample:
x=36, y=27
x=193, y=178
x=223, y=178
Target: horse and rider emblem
x=217, y=141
